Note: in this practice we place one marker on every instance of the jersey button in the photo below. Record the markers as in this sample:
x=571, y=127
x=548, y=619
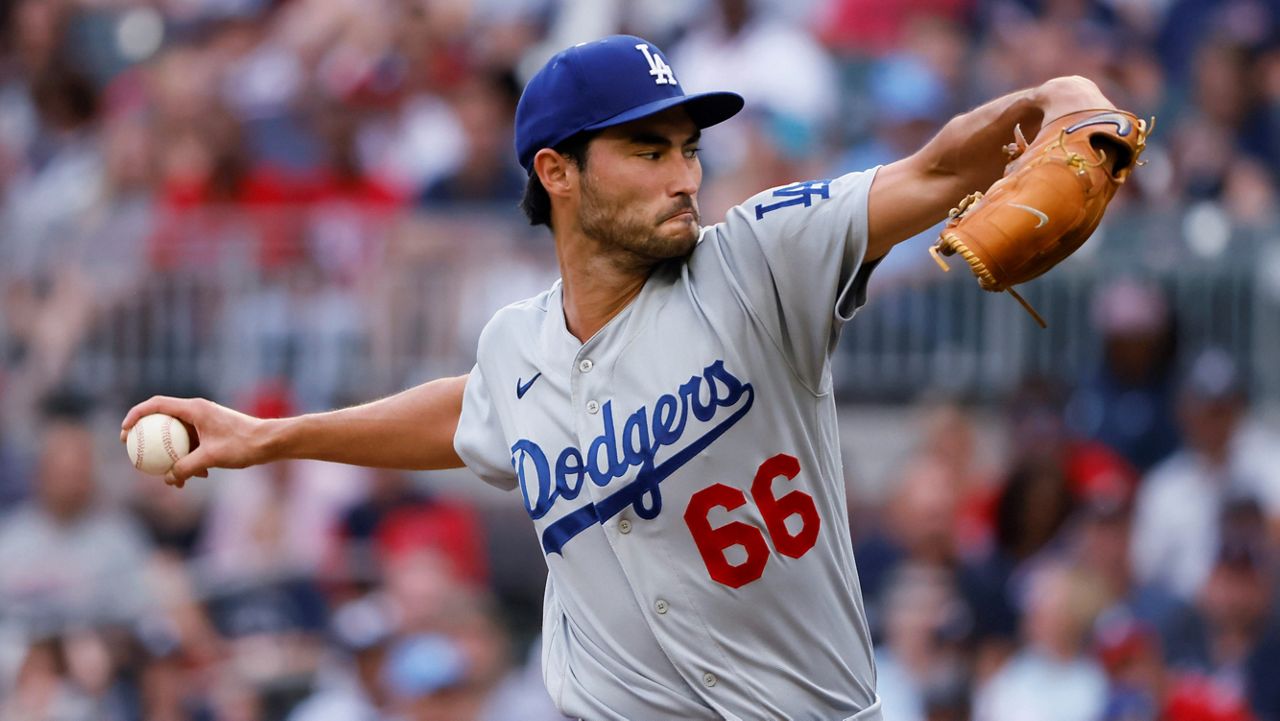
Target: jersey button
x=661, y=606
x=624, y=526
x=593, y=407
x=585, y=365
x=708, y=679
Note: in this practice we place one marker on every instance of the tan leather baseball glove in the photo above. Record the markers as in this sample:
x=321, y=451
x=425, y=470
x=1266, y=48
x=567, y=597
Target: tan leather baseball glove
x=1049, y=201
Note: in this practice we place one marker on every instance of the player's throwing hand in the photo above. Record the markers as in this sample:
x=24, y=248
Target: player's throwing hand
x=220, y=437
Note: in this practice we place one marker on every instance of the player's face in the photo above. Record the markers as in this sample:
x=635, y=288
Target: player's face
x=639, y=189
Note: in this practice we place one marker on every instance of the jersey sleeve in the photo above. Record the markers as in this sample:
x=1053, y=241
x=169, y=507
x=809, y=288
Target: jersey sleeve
x=479, y=440
x=795, y=256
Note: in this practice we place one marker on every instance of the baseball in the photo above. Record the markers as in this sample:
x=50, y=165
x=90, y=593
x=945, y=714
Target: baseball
x=156, y=442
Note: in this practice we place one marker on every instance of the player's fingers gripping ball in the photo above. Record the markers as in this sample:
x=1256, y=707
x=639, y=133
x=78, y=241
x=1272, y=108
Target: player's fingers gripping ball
x=156, y=442
x=1050, y=200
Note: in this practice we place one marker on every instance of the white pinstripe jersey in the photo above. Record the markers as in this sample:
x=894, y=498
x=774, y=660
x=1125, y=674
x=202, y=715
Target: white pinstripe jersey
x=682, y=468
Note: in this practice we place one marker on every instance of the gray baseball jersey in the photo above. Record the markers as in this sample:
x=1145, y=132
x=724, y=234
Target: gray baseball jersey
x=682, y=468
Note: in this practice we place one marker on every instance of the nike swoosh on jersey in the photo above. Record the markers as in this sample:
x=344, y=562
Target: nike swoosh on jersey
x=1038, y=213
x=522, y=388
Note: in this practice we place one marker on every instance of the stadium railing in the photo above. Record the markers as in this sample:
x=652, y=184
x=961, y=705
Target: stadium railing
x=343, y=304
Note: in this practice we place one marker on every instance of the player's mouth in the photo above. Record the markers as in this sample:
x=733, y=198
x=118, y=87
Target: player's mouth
x=684, y=215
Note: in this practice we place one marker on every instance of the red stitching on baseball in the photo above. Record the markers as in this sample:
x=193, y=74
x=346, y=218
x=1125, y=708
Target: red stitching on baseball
x=168, y=442
x=138, y=434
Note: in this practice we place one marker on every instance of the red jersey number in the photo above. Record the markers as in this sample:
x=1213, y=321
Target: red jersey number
x=775, y=510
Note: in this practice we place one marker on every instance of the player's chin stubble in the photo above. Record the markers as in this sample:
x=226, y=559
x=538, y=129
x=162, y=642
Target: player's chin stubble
x=616, y=225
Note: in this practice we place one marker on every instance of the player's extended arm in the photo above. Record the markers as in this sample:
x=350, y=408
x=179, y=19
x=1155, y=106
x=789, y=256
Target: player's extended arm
x=412, y=430
x=911, y=195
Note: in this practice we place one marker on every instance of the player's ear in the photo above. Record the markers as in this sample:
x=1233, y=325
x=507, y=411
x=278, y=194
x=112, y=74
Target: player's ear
x=557, y=172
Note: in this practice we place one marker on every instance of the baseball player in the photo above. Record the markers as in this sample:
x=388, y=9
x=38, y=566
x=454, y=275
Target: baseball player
x=664, y=410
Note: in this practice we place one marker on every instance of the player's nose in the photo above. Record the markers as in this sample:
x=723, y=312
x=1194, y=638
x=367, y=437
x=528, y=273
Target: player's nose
x=685, y=178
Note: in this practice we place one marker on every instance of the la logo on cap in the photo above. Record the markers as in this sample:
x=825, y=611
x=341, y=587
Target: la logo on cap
x=602, y=84
x=658, y=68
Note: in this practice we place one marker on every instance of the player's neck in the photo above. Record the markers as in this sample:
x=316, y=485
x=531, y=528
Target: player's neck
x=597, y=284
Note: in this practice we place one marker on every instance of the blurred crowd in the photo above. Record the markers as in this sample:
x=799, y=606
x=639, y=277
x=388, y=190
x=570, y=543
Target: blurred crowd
x=299, y=591
x=1114, y=559
x=250, y=196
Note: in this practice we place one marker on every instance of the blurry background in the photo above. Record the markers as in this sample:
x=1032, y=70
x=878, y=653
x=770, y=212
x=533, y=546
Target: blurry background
x=291, y=205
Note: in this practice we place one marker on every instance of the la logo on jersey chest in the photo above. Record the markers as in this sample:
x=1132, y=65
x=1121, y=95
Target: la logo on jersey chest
x=658, y=68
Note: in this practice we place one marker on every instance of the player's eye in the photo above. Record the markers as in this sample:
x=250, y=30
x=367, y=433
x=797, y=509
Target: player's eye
x=692, y=152
x=650, y=155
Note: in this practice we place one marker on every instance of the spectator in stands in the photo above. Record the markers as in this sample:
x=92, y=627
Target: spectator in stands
x=1225, y=98
x=397, y=518
x=43, y=209
x=399, y=64
x=340, y=178
x=426, y=646
x=921, y=652
x=773, y=63
x=1040, y=441
x=1129, y=651
x=867, y=27
x=352, y=685
x=262, y=79
x=1224, y=151
x=918, y=525
x=206, y=170
x=909, y=100
x=952, y=437
x=427, y=675
x=461, y=670
x=1128, y=402
x=174, y=522
x=1153, y=616
x=920, y=532
x=65, y=559
x=1144, y=688
x=1226, y=673
x=266, y=541
x=1033, y=508
x=523, y=693
x=15, y=478
x=1051, y=677
x=1051, y=474
x=1229, y=655
x=320, y=327
x=485, y=105
x=1179, y=504
x=1242, y=639
x=42, y=688
x=62, y=175
x=277, y=522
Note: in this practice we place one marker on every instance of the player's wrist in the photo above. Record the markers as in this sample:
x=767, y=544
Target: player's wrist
x=275, y=439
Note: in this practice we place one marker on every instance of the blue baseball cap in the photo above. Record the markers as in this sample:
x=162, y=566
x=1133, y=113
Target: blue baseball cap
x=600, y=84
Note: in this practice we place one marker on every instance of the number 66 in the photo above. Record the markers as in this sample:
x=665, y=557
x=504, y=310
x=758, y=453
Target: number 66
x=713, y=542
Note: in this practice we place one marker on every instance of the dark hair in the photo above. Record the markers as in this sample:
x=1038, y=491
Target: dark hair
x=536, y=204
x=64, y=96
x=66, y=405
x=1040, y=486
